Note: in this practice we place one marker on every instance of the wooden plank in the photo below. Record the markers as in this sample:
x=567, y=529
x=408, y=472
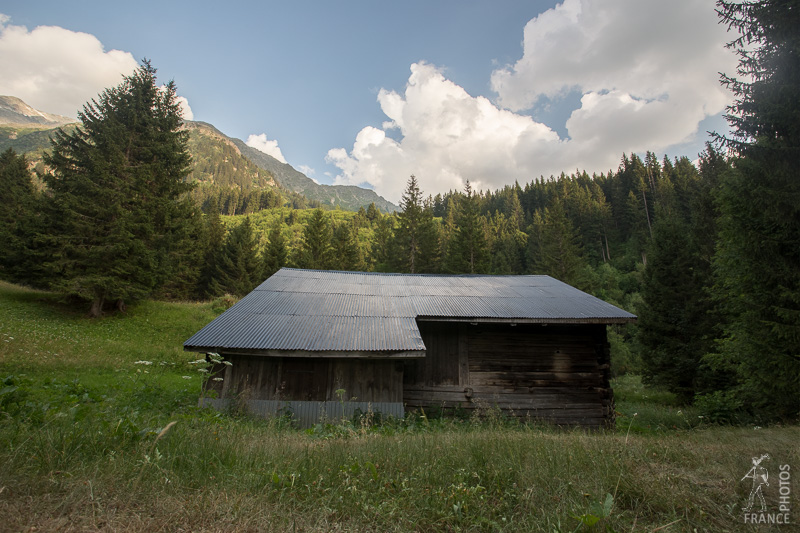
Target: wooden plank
x=441, y=364
x=463, y=356
x=367, y=381
x=304, y=379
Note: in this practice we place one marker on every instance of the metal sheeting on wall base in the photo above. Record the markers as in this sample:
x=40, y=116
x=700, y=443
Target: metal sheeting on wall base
x=306, y=414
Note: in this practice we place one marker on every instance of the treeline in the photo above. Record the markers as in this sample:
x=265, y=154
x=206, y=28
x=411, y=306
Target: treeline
x=246, y=200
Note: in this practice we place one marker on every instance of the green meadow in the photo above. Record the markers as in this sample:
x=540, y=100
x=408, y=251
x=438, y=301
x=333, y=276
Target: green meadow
x=100, y=431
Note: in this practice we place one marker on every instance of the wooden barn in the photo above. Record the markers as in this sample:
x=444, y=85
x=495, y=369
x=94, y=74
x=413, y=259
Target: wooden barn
x=322, y=343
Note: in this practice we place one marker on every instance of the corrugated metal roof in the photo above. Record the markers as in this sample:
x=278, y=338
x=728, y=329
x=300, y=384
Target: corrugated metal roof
x=324, y=311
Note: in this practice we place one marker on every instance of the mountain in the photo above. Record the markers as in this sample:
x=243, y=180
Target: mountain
x=225, y=168
x=15, y=111
x=348, y=197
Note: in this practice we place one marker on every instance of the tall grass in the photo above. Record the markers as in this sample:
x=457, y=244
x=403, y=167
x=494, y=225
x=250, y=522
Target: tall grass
x=87, y=442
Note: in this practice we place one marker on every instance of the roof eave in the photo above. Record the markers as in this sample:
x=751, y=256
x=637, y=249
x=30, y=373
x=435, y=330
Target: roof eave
x=323, y=354
x=542, y=321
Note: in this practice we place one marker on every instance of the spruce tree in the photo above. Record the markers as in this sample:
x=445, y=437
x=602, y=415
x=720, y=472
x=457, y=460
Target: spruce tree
x=239, y=269
x=275, y=253
x=672, y=351
x=415, y=246
x=468, y=249
x=315, y=251
x=119, y=205
x=380, y=252
x=554, y=248
x=20, y=221
x=212, y=243
x=372, y=212
x=758, y=256
x=345, y=252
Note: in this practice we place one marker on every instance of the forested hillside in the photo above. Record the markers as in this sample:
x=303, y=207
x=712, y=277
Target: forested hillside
x=229, y=174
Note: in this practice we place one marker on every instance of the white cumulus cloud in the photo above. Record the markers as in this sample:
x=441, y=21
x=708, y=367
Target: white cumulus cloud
x=260, y=142
x=185, y=109
x=57, y=70
x=647, y=71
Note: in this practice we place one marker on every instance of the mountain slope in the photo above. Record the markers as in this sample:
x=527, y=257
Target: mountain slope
x=348, y=197
x=221, y=163
x=15, y=111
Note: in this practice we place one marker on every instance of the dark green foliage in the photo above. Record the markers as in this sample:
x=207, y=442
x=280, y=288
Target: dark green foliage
x=380, y=253
x=275, y=253
x=415, y=246
x=372, y=212
x=315, y=251
x=554, y=247
x=758, y=257
x=765, y=116
x=345, y=252
x=508, y=246
x=20, y=221
x=671, y=354
x=213, y=240
x=238, y=268
x=468, y=249
x=119, y=206
x=678, y=320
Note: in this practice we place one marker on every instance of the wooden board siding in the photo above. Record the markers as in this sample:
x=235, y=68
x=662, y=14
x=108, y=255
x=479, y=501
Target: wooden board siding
x=441, y=365
x=558, y=373
x=309, y=379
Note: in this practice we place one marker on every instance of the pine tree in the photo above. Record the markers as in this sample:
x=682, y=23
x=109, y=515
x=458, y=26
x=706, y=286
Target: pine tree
x=213, y=241
x=668, y=330
x=239, y=269
x=468, y=250
x=275, y=253
x=758, y=257
x=380, y=252
x=372, y=212
x=345, y=252
x=20, y=221
x=415, y=246
x=554, y=248
x=315, y=251
x=119, y=207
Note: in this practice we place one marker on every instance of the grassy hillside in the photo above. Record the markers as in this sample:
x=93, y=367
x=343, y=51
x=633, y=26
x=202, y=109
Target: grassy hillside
x=87, y=442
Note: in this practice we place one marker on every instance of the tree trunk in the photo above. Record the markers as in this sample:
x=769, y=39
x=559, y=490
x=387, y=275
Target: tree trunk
x=96, y=310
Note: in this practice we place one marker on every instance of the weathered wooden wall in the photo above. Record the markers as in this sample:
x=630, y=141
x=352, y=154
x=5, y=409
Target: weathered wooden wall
x=558, y=373
x=309, y=379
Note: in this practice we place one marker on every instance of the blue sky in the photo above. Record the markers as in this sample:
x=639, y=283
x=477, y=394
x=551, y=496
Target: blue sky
x=369, y=92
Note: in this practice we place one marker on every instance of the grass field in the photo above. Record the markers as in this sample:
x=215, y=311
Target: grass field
x=99, y=430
